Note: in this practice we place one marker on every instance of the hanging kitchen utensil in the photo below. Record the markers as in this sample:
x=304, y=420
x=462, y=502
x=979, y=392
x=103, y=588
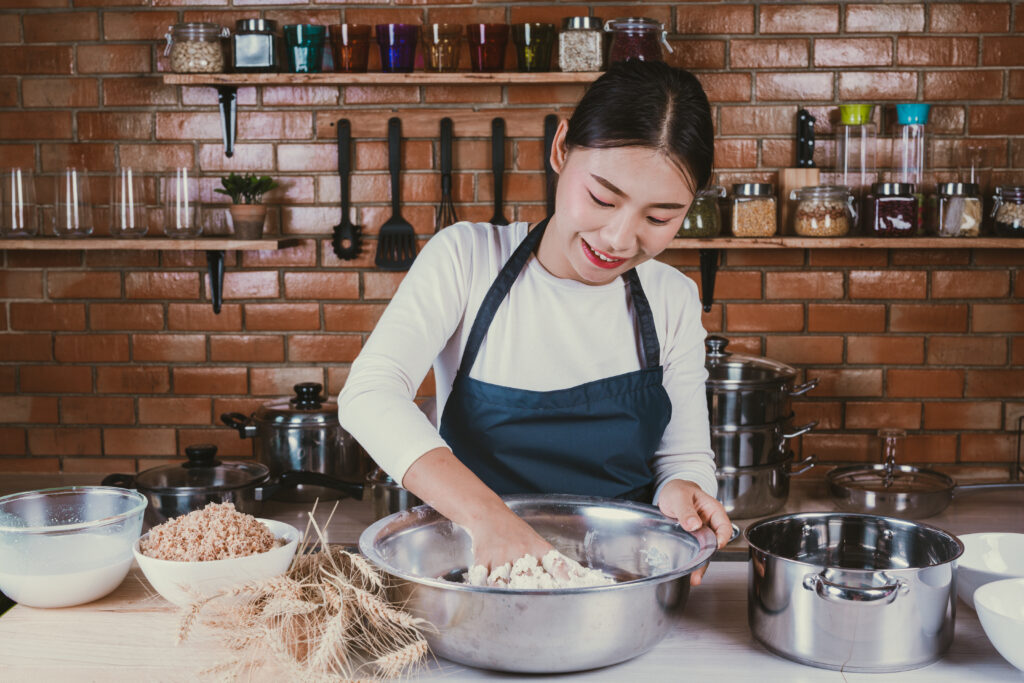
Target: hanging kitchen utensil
x=550, y=177
x=805, y=174
x=347, y=241
x=498, y=168
x=396, y=243
x=446, y=212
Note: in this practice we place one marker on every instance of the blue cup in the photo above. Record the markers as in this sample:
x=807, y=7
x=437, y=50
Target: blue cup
x=304, y=47
x=912, y=112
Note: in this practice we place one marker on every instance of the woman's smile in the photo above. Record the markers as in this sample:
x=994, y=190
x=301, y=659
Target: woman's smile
x=598, y=257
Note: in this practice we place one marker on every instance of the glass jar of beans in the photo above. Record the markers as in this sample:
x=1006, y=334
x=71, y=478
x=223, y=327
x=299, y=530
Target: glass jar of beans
x=1008, y=211
x=195, y=48
x=823, y=211
x=890, y=210
x=753, y=210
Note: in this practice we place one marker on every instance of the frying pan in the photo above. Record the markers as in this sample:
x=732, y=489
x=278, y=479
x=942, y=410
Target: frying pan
x=899, y=491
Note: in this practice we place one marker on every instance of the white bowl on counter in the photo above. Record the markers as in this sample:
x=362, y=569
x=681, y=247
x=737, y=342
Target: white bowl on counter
x=182, y=582
x=1000, y=606
x=988, y=557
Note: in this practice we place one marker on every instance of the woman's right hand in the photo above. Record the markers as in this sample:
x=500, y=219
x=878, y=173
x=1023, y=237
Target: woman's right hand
x=504, y=537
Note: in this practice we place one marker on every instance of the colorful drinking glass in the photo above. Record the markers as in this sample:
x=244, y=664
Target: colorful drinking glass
x=441, y=44
x=304, y=46
x=350, y=46
x=397, y=43
x=487, y=44
x=533, y=45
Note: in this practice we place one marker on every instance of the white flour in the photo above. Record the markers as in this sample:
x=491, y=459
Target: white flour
x=554, y=570
x=61, y=571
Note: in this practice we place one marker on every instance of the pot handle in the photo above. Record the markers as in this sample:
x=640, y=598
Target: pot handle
x=802, y=389
x=801, y=430
x=244, y=425
x=834, y=592
x=804, y=465
x=296, y=477
x=124, y=481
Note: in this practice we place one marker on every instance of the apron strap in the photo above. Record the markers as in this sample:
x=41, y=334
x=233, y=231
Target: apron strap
x=648, y=335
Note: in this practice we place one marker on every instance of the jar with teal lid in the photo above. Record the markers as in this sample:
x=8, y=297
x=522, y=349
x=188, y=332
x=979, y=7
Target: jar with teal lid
x=856, y=144
x=704, y=219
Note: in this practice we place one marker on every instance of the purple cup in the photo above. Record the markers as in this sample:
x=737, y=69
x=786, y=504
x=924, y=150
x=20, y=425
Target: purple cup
x=397, y=43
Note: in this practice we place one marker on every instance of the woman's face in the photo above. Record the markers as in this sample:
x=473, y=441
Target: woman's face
x=614, y=209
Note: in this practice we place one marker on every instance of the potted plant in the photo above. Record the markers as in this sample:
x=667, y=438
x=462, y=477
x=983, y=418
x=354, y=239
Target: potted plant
x=247, y=214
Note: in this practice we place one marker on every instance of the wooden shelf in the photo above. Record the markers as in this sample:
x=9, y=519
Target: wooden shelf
x=847, y=243
x=143, y=243
x=376, y=78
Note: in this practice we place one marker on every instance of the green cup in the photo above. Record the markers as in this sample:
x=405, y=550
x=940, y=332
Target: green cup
x=304, y=46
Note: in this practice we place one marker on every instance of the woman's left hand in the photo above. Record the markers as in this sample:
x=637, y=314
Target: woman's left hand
x=686, y=502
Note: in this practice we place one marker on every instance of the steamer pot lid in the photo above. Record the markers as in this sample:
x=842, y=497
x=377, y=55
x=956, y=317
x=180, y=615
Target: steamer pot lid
x=307, y=408
x=202, y=472
x=727, y=369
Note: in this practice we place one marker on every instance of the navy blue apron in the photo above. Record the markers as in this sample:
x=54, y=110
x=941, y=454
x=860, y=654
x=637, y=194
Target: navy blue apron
x=595, y=439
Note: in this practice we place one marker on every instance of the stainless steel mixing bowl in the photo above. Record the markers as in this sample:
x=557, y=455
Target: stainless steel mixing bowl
x=545, y=631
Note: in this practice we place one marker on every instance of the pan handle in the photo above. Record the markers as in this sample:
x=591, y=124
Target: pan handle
x=801, y=430
x=802, y=389
x=835, y=592
x=296, y=478
x=804, y=465
x=240, y=422
x=996, y=486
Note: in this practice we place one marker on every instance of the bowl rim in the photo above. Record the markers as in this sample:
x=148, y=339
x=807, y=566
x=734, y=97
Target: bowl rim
x=707, y=545
x=982, y=591
x=140, y=504
x=289, y=533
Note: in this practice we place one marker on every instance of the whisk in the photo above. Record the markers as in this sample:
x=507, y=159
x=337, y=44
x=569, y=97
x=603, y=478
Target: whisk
x=446, y=212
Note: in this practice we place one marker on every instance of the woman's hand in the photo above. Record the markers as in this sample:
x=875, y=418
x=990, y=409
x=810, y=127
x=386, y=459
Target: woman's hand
x=686, y=502
x=504, y=537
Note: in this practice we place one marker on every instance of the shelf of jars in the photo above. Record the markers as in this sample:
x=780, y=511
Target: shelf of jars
x=378, y=78
x=786, y=242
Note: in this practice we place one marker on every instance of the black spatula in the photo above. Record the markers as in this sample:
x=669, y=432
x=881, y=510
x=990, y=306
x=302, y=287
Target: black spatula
x=550, y=177
x=396, y=244
x=498, y=168
x=347, y=241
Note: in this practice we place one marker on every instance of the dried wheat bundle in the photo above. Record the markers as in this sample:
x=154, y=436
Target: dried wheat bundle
x=327, y=619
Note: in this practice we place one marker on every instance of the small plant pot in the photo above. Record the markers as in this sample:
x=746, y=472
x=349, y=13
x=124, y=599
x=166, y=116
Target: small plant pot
x=247, y=220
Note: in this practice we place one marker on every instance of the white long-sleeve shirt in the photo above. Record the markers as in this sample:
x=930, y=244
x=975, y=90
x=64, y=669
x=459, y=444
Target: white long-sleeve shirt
x=549, y=333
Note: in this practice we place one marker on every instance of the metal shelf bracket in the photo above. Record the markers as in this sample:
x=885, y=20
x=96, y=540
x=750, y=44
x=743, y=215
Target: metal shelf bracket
x=709, y=259
x=227, y=100
x=215, y=264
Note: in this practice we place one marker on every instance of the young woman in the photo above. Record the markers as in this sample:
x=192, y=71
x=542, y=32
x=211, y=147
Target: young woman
x=566, y=360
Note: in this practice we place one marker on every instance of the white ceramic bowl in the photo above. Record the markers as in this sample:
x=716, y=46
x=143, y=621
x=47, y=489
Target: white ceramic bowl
x=988, y=557
x=1000, y=606
x=180, y=582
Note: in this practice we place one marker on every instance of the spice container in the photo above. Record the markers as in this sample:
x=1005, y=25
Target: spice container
x=704, y=218
x=254, y=46
x=823, y=211
x=580, y=44
x=959, y=210
x=194, y=48
x=441, y=46
x=1008, y=211
x=533, y=46
x=636, y=38
x=890, y=210
x=753, y=210
x=350, y=46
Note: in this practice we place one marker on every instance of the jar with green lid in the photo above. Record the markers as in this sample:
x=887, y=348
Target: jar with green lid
x=958, y=210
x=195, y=48
x=704, y=219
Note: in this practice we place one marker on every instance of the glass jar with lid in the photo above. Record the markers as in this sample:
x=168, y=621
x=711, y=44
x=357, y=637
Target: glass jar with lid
x=753, y=210
x=1008, y=211
x=824, y=211
x=581, y=44
x=890, y=210
x=195, y=48
x=958, y=210
x=704, y=218
x=254, y=46
x=636, y=38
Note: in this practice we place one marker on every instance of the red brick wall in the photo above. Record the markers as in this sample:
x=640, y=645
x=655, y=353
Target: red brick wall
x=114, y=360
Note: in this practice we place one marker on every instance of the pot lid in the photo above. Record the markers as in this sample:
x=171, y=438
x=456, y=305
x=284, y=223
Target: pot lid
x=202, y=471
x=883, y=479
x=726, y=369
x=307, y=408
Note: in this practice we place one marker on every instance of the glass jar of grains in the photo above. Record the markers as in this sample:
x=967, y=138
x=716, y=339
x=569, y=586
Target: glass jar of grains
x=958, y=210
x=704, y=218
x=890, y=210
x=753, y=210
x=195, y=48
x=1008, y=211
x=823, y=211
x=580, y=44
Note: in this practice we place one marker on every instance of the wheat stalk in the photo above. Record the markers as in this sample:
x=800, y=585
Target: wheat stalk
x=394, y=663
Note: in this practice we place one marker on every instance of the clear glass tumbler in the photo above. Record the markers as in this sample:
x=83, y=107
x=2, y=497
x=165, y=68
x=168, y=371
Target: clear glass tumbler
x=72, y=216
x=181, y=204
x=128, y=217
x=20, y=216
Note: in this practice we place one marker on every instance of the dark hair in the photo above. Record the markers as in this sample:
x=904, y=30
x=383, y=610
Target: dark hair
x=648, y=104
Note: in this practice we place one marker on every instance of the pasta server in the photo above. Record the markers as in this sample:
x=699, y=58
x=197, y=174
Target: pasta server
x=347, y=240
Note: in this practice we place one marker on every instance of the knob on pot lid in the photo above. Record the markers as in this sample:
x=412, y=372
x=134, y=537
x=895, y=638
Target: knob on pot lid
x=201, y=472
x=307, y=408
x=727, y=369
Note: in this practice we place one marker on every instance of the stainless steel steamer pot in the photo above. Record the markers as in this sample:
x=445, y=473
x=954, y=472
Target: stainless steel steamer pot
x=753, y=445
x=851, y=591
x=302, y=433
x=747, y=492
x=545, y=631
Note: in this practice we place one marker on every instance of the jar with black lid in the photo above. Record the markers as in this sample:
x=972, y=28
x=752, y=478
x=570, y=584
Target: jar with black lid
x=254, y=47
x=890, y=210
x=753, y=212
x=1008, y=211
x=638, y=38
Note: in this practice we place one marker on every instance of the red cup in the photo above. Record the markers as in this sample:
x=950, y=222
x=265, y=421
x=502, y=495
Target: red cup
x=487, y=44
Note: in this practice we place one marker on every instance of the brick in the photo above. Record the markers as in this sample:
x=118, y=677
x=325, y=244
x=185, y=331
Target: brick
x=187, y=126
x=98, y=465
x=56, y=157
x=107, y=125
x=146, y=441
x=736, y=285
x=46, y=316
x=251, y=285
x=888, y=284
x=321, y=285
x=85, y=348
x=697, y=54
x=79, y=410
x=380, y=285
x=65, y=441
x=8, y=92
x=963, y=85
x=962, y=415
x=175, y=410
x=12, y=442
x=884, y=18
x=970, y=284
x=324, y=348
x=168, y=347
x=714, y=19
x=761, y=120
x=799, y=19
x=785, y=285
x=201, y=317
x=159, y=158
x=875, y=85
x=126, y=316
x=973, y=350
x=137, y=25
x=930, y=257
x=935, y=51
x=144, y=91
x=352, y=317
x=805, y=349
x=993, y=448
x=997, y=318
x=219, y=380
x=247, y=348
x=114, y=59
x=845, y=318
x=457, y=94
x=768, y=53
x=51, y=125
x=61, y=27
x=280, y=381
x=979, y=17
x=26, y=347
x=794, y=86
x=80, y=285
x=34, y=465
x=853, y=52
x=289, y=125
x=1000, y=383
x=928, y=318
x=161, y=285
x=853, y=258
x=59, y=92
x=28, y=409
x=996, y=120
x=132, y=380
x=55, y=379
x=246, y=158
x=304, y=96
x=883, y=415
x=290, y=316
x=31, y=59
x=21, y=285
x=924, y=383
x=850, y=382
x=765, y=317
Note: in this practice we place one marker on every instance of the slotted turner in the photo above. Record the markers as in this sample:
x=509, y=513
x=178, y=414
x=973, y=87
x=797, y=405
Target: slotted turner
x=446, y=212
x=498, y=168
x=347, y=240
x=396, y=244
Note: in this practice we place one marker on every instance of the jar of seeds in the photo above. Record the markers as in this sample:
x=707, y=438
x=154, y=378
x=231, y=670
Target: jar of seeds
x=580, y=44
x=704, y=218
x=958, y=211
x=753, y=210
x=195, y=48
x=1008, y=211
x=823, y=211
